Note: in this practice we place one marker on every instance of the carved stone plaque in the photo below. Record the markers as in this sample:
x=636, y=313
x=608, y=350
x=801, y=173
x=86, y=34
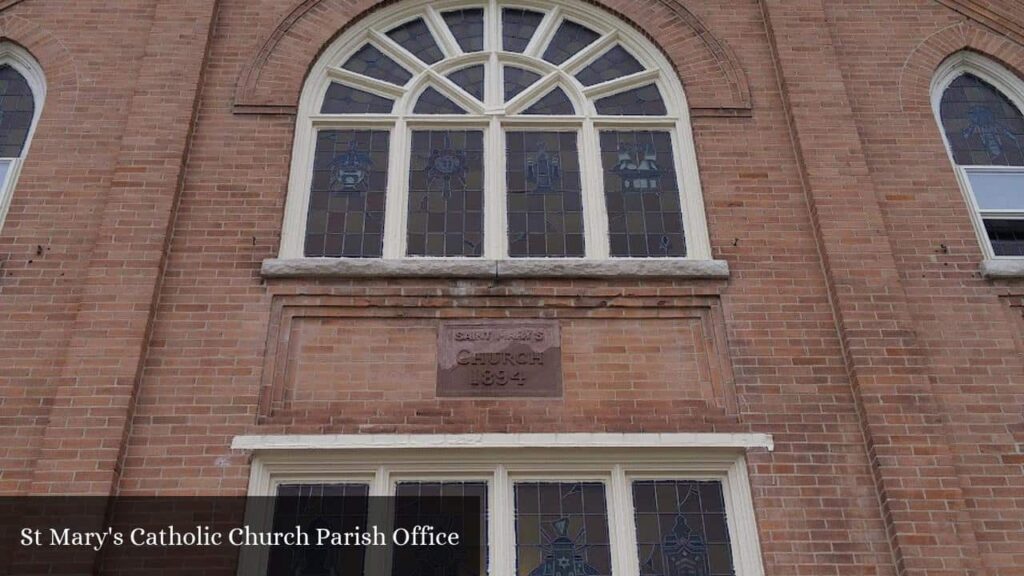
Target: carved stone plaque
x=499, y=358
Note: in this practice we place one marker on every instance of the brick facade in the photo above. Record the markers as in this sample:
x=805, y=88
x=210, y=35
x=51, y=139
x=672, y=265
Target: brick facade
x=138, y=336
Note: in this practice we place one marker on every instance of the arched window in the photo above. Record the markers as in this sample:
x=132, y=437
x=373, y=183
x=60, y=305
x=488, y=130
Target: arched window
x=979, y=103
x=21, y=96
x=477, y=130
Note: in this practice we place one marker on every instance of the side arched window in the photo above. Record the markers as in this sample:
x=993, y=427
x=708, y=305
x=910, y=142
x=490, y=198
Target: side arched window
x=979, y=106
x=491, y=131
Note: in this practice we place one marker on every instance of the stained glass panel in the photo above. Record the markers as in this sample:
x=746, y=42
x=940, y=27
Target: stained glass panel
x=569, y=39
x=545, y=206
x=369, y=61
x=982, y=125
x=433, y=102
x=517, y=27
x=446, y=193
x=681, y=529
x=17, y=108
x=468, y=28
x=419, y=504
x=613, y=64
x=337, y=507
x=1006, y=236
x=471, y=80
x=642, y=194
x=552, y=103
x=643, y=101
x=346, y=200
x=516, y=80
x=562, y=529
x=415, y=37
x=341, y=99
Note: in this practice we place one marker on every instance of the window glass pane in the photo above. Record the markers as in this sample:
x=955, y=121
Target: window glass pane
x=341, y=99
x=517, y=27
x=562, y=529
x=433, y=102
x=613, y=64
x=415, y=37
x=643, y=101
x=642, y=194
x=371, y=62
x=545, y=208
x=553, y=103
x=517, y=80
x=338, y=507
x=681, y=529
x=446, y=193
x=468, y=28
x=997, y=190
x=346, y=200
x=5, y=167
x=569, y=39
x=1007, y=236
x=471, y=80
x=416, y=506
x=982, y=125
x=17, y=108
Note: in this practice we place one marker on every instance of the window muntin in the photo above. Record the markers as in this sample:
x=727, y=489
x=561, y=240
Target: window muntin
x=22, y=91
x=523, y=76
x=984, y=131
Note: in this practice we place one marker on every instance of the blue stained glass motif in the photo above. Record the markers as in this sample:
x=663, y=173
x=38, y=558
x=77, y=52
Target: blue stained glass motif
x=569, y=39
x=433, y=102
x=468, y=28
x=982, y=125
x=517, y=27
x=562, y=529
x=553, y=103
x=341, y=99
x=471, y=80
x=643, y=101
x=613, y=64
x=415, y=37
x=369, y=61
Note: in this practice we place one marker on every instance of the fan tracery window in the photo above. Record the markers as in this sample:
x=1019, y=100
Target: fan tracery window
x=483, y=130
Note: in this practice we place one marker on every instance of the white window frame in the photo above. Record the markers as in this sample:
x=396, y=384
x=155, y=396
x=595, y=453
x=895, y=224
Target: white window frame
x=18, y=58
x=493, y=117
x=502, y=460
x=1011, y=86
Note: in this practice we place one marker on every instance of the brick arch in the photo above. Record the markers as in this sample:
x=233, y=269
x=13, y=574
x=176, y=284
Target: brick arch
x=715, y=83
x=920, y=67
x=54, y=58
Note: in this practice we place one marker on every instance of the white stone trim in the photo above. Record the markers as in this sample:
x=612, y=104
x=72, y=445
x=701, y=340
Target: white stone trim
x=19, y=59
x=1011, y=85
x=495, y=116
x=379, y=461
x=476, y=268
x=1005, y=268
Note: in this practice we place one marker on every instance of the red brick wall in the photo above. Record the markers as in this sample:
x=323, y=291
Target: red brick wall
x=138, y=337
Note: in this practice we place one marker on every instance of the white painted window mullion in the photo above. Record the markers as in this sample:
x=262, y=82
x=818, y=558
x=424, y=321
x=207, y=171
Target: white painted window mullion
x=442, y=34
x=542, y=35
x=503, y=541
x=625, y=560
x=495, y=205
x=595, y=212
x=396, y=201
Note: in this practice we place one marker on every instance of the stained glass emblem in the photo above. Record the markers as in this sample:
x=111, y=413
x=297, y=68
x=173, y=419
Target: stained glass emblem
x=446, y=165
x=638, y=168
x=542, y=168
x=562, y=555
x=349, y=170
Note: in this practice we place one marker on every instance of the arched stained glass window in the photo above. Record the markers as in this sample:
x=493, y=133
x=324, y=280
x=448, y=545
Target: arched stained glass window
x=484, y=131
x=984, y=130
x=21, y=92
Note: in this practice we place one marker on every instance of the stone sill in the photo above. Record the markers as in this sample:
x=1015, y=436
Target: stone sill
x=494, y=269
x=1009, y=268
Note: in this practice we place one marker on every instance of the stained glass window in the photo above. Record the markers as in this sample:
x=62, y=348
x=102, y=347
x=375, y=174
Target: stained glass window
x=681, y=529
x=517, y=27
x=470, y=79
x=346, y=202
x=562, y=529
x=446, y=193
x=569, y=39
x=644, y=101
x=982, y=125
x=517, y=80
x=552, y=103
x=468, y=28
x=337, y=507
x=642, y=195
x=545, y=204
x=445, y=81
x=415, y=37
x=447, y=507
x=341, y=99
x=613, y=64
x=433, y=102
x=371, y=62
x=17, y=110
